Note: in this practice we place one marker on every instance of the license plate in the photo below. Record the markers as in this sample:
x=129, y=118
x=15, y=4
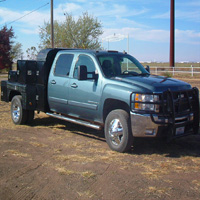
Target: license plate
x=180, y=130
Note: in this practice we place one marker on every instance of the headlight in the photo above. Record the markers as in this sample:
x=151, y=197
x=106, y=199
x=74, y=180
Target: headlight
x=146, y=102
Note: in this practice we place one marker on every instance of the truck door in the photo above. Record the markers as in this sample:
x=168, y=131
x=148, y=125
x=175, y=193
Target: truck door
x=84, y=95
x=58, y=84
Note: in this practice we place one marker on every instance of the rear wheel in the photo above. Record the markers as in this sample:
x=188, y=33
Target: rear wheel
x=118, y=131
x=18, y=114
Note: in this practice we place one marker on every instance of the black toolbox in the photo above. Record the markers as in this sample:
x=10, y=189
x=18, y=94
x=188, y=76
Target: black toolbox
x=12, y=76
x=41, y=98
x=42, y=74
x=4, y=93
x=27, y=71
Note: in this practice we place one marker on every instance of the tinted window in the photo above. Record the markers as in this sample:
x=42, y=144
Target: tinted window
x=88, y=62
x=63, y=64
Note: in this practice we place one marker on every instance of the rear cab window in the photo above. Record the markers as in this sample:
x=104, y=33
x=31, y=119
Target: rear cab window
x=63, y=65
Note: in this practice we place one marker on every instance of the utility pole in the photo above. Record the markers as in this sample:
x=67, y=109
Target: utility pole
x=172, y=43
x=52, y=28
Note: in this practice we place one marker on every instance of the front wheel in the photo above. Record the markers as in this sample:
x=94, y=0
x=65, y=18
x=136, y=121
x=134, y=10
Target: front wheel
x=18, y=114
x=118, y=131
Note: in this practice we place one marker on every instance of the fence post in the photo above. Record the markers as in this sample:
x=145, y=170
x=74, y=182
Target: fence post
x=156, y=71
x=173, y=71
x=192, y=71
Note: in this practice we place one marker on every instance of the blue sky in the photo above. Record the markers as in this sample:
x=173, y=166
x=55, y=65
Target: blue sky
x=147, y=23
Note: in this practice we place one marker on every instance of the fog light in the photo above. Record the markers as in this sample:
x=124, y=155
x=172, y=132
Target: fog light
x=150, y=132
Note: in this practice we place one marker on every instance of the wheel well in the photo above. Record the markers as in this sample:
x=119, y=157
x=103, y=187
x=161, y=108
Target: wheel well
x=113, y=104
x=13, y=93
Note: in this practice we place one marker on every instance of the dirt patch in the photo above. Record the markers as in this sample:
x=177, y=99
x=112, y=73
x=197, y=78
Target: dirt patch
x=52, y=159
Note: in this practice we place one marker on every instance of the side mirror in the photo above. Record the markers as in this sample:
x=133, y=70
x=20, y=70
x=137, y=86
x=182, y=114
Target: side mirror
x=148, y=68
x=82, y=73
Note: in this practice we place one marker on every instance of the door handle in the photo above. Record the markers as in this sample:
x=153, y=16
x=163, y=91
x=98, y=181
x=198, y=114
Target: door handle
x=74, y=85
x=53, y=82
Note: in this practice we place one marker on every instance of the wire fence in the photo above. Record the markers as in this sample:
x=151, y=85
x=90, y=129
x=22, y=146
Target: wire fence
x=191, y=71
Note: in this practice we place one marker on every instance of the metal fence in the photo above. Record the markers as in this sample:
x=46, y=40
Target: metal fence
x=176, y=70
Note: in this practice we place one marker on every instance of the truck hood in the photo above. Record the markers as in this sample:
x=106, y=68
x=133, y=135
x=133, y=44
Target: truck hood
x=154, y=83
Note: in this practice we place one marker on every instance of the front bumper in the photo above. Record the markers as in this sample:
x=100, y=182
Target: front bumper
x=152, y=125
x=178, y=115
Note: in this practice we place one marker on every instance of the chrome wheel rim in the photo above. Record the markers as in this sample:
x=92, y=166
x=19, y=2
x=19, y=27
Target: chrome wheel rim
x=15, y=111
x=116, y=132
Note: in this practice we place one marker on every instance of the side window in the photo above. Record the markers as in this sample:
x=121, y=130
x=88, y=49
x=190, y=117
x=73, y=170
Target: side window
x=63, y=64
x=88, y=62
x=111, y=65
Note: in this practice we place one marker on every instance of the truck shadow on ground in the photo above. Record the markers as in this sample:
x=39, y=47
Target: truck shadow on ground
x=186, y=146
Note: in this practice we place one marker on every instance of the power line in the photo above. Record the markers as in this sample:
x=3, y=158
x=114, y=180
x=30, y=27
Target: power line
x=27, y=13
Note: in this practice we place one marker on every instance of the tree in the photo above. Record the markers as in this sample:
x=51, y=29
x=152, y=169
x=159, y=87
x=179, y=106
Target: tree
x=6, y=36
x=32, y=53
x=16, y=51
x=82, y=33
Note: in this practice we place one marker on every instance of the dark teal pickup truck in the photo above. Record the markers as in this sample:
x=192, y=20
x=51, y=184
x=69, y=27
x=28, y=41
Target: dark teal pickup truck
x=102, y=89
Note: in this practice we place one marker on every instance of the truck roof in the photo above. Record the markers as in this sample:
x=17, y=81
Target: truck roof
x=43, y=54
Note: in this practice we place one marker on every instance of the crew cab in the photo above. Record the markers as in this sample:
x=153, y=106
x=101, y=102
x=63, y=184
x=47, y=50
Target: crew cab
x=102, y=90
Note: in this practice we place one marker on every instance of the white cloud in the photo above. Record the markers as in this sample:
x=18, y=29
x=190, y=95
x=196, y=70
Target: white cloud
x=188, y=15
x=30, y=31
x=156, y=35
x=194, y=3
x=109, y=14
x=188, y=37
x=7, y=15
x=183, y=15
x=68, y=7
x=31, y=20
x=140, y=34
x=165, y=15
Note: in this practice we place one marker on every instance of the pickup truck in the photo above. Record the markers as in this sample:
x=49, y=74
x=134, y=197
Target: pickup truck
x=102, y=90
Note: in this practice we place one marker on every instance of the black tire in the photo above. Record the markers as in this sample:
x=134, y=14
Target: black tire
x=118, y=131
x=18, y=114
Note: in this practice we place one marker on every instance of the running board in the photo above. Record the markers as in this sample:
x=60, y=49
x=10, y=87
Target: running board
x=76, y=121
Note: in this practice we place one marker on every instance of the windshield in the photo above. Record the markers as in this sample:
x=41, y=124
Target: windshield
x=120, y=65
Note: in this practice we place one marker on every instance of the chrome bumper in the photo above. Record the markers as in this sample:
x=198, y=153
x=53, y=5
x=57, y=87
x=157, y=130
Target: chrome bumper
x=142, y=125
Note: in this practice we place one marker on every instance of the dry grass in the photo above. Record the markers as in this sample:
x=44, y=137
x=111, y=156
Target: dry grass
x=157, y=169
x=18, y=139
x=36, y=144
x=88, y=174
x=74, y=158
x=16, y=153
x=86, y=194
x=196, y=185
x=157, y=191
x=64, y=171
x=3, y=141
